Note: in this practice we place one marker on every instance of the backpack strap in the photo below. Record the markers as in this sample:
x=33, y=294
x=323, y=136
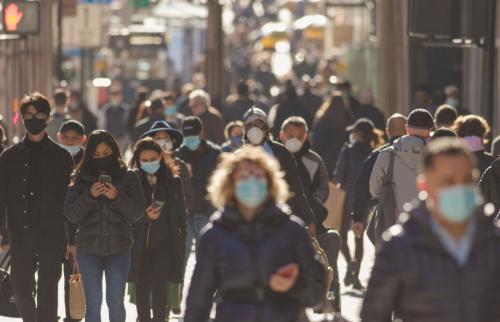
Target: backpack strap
x=390, y=169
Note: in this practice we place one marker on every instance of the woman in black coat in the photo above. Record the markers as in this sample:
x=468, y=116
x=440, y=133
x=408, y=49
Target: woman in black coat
x=104, y=199
x=254, y=253
x=158, y=255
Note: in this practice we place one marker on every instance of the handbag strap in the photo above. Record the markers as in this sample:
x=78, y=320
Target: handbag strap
x=76, y=270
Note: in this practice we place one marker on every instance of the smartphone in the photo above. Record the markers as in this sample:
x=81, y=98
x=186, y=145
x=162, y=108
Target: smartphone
x=158, y=204
x=104, y=178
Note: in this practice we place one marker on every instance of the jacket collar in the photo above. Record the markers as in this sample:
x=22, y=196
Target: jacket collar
x=271, y=215
x=51, y=145
x=304, y=150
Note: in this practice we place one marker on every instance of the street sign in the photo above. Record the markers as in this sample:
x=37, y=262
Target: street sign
x=20, y=17
x=85, y=30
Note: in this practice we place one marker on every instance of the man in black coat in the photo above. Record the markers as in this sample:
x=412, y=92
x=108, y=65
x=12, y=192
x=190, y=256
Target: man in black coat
x=201, y=157
x=257, y=134
x=34, y=176
x=441, y=262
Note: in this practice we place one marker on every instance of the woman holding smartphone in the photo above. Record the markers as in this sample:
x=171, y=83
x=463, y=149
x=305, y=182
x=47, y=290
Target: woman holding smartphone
x=158, y=255
x=104, y=199
x=254, y=253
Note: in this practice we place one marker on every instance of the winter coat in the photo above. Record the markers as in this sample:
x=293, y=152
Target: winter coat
x=213, y=125
x=187, y=185
x=490, y=184
x=417, y=278
x=104, y=226
x=298, y=202
x=328, y=142
x=484, y=160
x=236, y=256
x=202, y=162
x=409, y=151
x=15, y=189
x=168, y=230
x=114, y=119
x=349, y=166
x=234, y=110
x=314, y=178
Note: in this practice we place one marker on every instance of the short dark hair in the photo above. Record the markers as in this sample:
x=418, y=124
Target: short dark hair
x=446, y=115
x=38, y=101
x=295, y=121
x=446, y=147
x=472, y=125
x=242, y=88
x=60, y=97
x=157, y=104
x=72, y=125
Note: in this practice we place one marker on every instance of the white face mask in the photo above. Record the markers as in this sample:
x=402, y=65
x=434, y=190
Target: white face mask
x=166, y=145
x=73, y=149
x=293, y=145
x=255, y=135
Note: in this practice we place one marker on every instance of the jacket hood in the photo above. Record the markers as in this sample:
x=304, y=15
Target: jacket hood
x=409, y=149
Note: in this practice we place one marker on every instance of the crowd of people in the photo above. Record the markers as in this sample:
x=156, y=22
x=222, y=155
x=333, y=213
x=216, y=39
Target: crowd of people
x=128, y=195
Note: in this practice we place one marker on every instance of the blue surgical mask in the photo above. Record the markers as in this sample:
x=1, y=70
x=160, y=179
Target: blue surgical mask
x=170, y=110
x=252, y=191
x=236, y=141
x=457, y=203
x=192, y=142
x=150, y=167
x=73, y=149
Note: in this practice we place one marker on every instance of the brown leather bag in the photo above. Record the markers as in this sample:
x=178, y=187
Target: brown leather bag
x=76, y=295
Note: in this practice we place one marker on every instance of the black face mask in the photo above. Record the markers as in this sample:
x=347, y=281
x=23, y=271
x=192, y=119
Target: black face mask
x=104, y=164
x=35, y=126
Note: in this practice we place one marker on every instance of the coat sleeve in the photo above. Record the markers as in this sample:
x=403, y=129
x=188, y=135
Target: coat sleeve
x=298, y=202
x=341, y=168
x=130, y=201
x=3, y=192
x=323, y=191
x=383, y=289
x=378, y=175
x=310, y=286
x=78, y=203
x=362, y=196
x=204, y=281
x=187, y=185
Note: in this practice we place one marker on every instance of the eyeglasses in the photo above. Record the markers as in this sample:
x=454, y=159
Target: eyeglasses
x=30, y=116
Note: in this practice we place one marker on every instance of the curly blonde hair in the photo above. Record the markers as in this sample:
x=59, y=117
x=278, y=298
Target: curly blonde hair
x=221, y=189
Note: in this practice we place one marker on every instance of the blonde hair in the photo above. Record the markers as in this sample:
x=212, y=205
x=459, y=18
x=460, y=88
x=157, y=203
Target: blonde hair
x=221, y=188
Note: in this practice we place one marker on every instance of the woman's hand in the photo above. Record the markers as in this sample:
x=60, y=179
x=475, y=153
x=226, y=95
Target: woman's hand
x=153, y=212
x=110, y=191
x=97, y=189
x=285, y=278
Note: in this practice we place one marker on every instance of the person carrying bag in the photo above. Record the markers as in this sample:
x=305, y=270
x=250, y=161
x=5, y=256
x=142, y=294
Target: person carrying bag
x=76, y=295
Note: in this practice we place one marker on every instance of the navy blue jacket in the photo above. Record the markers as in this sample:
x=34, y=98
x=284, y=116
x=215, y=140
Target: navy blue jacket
x=235, y=254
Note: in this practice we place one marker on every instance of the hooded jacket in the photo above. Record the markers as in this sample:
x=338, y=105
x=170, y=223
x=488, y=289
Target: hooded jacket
x=236, y=256
x=408, y=158
x=416, y=277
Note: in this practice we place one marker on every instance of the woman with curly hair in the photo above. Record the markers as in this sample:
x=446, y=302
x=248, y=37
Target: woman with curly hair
x=474, y=130
x=254, y=253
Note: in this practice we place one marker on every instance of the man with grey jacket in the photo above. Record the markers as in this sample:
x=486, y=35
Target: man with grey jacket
x=408, y=151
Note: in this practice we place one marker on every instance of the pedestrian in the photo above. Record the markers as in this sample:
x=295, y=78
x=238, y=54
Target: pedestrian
x=257, y=134
x=309, y=97
x=254, y=253
x=474, y=130
x=407, y=154
x=113, y=117
x=201, y=156
x=453, y=98
x=71, y=136
x=368, y=109
x=443, y=132
x=104, y=199
x=60, y=113
x=160, y=238
x=80, y=112
x=315, y=179
x=351, y=103
x=135, y=113
x=423, y=99
x=445, y=116
x=234, y=136
x=441, y=261
x=172, y=115
x=34, y=176
x=363, y=139
x=238, y=104
x=170, y=140
x=199, y=102
x=288, y=105
x=156, y=108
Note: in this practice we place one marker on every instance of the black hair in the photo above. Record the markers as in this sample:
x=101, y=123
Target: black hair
x=242, y=88
x=87, y=166
x=446, y=147
x=446, y=115
x=38, y=101
x=148, y=143
x=72, y=125
x=423, y=88
x=60, y=97
x=157, y=104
